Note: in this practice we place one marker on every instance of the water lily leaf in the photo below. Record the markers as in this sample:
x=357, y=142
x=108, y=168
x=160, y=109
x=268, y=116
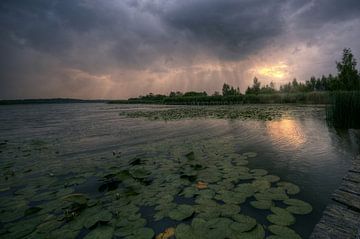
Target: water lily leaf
x=271, y=178
x=143, y=233
x=189, y=192
x=257, y=233
x=274, y=194
x=181, y=212
x=246, y=189
x=231, y=197
x=201, y=185
x=241, y=162
x=297, y=206
x=290, y=188
x=78, y=198
x=283, y=232
x=49, y=226
x=139, y=173
x=168, y=233
x=262, y=204
x=280, y=217
x=246, y=223
x=64, y=192
x=229, y=209
x=261, y=185
x=101, y=232
x=67, y=234
x=250, y=154
x=245, y=176
x=259, y=172
x=184, y=231
x=206, y=193
x=101, y=216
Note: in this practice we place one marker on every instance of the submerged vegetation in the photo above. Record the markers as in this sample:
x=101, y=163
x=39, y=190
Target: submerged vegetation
x=198, y=190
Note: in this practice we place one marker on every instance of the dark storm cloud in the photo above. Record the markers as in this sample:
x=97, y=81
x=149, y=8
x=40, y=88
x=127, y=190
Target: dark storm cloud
x=321, y=12
x=238, y=27
x=40, y=38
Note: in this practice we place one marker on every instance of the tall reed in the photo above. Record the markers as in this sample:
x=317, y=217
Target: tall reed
x=344, y=112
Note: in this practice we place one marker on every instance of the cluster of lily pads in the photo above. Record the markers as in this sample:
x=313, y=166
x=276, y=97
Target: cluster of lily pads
x=242, y=112
x=225, y=112
x=182, y=190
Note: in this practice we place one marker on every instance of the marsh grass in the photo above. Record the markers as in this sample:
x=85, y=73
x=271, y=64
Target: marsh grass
x=344, y=112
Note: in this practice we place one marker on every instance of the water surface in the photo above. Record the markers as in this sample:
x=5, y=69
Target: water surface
x=50, y=151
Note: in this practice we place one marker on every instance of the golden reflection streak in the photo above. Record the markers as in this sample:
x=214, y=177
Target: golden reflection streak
x=286, y=132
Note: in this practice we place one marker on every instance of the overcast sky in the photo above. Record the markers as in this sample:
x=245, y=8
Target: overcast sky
x=124, y=48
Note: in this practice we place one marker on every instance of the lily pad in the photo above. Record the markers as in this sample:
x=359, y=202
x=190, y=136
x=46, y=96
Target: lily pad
x=184, y=231
x=259, y=172
x=261, y=185
x=101, y=216
x=297, y=206
x=78, y=198
x=245, y=223
x=271, y=178
x=143, y=233
x=257, y=233
x=290, y=188
x=250, y=154
x=262, y=204
x=181, y=212
x=280, y=217
x=283, y=232
x=101, y=232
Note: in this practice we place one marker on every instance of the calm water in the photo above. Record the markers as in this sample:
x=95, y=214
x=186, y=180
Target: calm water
x=301, y=149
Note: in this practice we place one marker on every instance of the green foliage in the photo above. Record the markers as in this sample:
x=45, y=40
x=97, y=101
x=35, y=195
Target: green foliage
x=228, y=90
x=348, y=74
x=255, y=88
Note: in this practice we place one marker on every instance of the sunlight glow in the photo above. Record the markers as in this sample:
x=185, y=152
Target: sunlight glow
x=278, y=71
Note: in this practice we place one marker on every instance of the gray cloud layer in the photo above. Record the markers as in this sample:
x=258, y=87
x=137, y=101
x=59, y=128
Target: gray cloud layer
x=118, y=48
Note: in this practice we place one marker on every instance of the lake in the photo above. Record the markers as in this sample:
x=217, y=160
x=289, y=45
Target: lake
x=84, y=170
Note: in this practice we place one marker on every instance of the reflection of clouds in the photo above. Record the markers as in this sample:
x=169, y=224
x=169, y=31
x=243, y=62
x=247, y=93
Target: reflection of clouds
x=286, y=132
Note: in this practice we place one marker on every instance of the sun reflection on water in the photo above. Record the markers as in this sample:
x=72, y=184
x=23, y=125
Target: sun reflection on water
x=286, y=132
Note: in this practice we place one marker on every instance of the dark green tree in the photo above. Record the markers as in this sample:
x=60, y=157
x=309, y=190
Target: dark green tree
x=228, y=90
x=348, y=73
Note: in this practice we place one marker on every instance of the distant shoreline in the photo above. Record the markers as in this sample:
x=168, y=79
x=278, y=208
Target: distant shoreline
x=49, y=101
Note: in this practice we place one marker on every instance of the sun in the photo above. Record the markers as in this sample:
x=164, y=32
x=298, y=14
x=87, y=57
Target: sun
x=279, y=70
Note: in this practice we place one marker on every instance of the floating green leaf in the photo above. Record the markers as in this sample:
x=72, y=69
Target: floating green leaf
x=262, y=204
x=250, y=154
x=281, y=217
x=101, y=232
x=297, y=206
x=290, y=188
x=181, y=212
x=101, y=216
x=282, y=232
x=244, y=223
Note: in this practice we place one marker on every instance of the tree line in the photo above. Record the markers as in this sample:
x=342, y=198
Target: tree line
x=347, y=79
